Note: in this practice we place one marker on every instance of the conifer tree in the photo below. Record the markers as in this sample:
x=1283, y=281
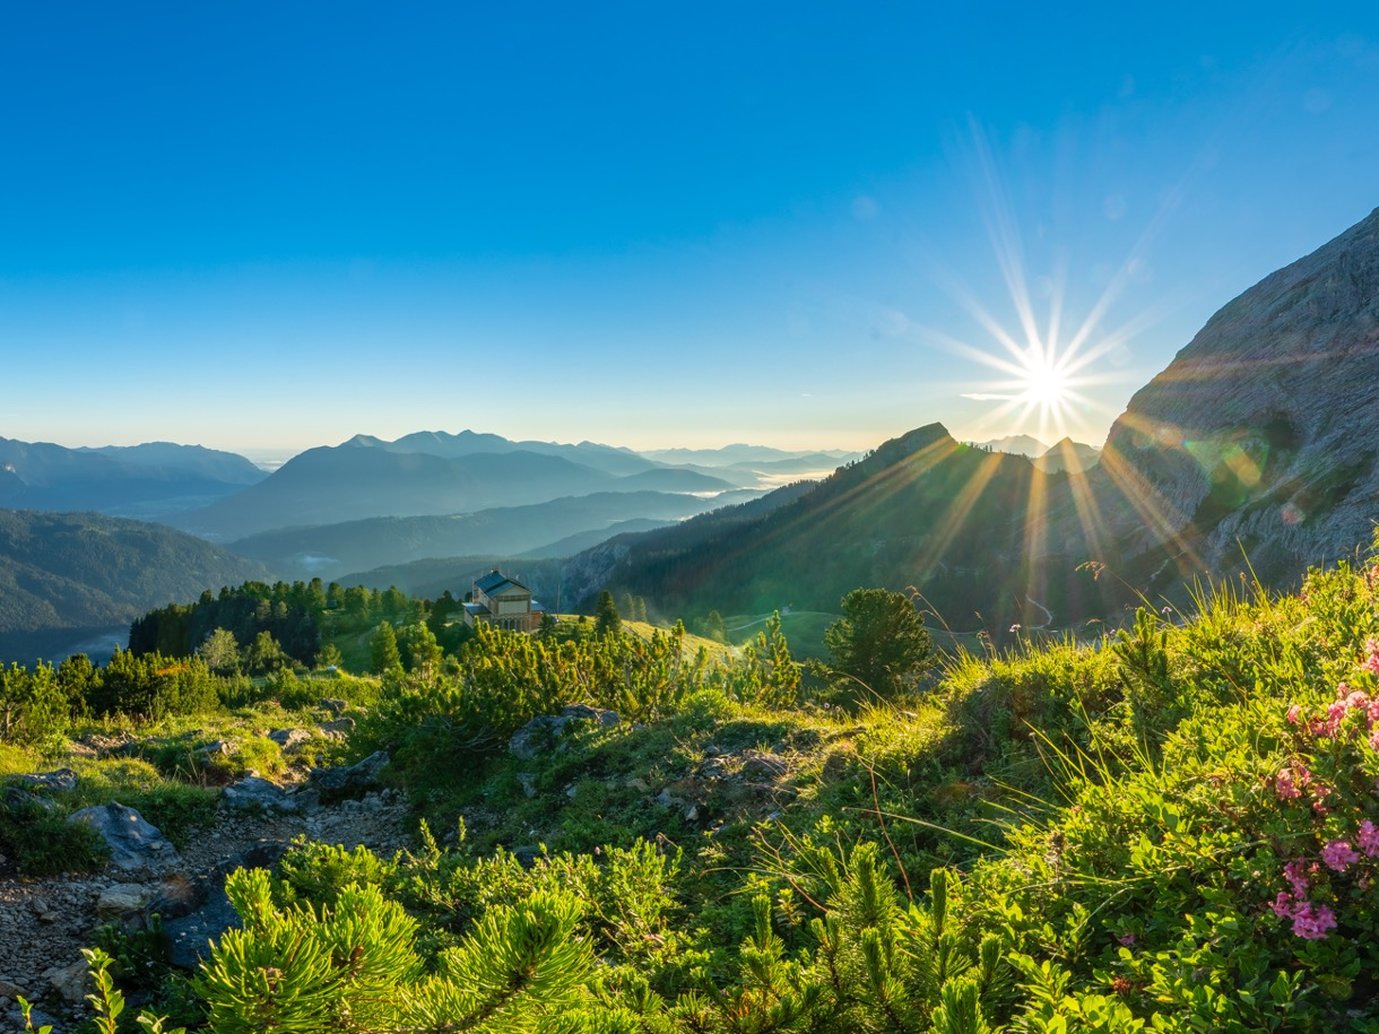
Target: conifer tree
x=607, y=620
x=383, y=649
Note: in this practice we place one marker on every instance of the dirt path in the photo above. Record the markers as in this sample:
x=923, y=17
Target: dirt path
x=45, y=923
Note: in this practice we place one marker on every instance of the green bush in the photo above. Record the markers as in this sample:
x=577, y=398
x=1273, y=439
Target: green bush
x=43, y=843
x=318, y=873
x=180, y=811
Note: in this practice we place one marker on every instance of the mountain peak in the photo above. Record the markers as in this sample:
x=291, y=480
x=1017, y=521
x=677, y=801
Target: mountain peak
x=895, y=450
x=1242, y=438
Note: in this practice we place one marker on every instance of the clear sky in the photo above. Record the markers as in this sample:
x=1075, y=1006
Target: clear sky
x=267, y=226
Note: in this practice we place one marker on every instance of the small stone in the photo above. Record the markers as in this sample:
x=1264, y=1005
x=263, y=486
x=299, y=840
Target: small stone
x=120, y=899
x=290, y=740
x=528, y=783
x=714, y=768
x=252, y=792
x=636, y=783
x=350, y=779
x=526, y=856
x=544, y=731
x=37, y=1017
x=215, y=750
x=763, y=766
x=337, y=729
x=9, y=989
x=571, y=790
x=69, y=982
x=60, y=781
x=692, y=813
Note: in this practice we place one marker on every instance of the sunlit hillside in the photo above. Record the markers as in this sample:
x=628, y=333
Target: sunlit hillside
x=1174, y=827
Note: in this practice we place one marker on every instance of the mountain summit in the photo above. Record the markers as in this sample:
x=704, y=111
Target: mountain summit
x=1263, y=432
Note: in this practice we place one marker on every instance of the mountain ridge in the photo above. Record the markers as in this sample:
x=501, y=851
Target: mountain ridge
x=79, y=571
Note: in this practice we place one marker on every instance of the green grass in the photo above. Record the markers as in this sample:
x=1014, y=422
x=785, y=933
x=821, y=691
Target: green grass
x=692, y=643
x=804, y=629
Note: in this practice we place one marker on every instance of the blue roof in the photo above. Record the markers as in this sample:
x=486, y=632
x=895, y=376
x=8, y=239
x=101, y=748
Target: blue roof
x=489, y=582
x=492, y=583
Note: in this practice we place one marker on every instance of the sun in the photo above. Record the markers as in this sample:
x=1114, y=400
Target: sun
x=1045, y=384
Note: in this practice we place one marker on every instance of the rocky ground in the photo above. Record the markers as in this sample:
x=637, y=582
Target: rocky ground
x=45, y=923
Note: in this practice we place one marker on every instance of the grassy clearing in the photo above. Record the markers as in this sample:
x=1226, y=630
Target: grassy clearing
x=804, y=629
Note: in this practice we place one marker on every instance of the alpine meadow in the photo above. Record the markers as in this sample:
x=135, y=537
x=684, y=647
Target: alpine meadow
x=797, y=519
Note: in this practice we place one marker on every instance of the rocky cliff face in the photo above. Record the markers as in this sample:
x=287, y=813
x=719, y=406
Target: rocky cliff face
x=1263, y=432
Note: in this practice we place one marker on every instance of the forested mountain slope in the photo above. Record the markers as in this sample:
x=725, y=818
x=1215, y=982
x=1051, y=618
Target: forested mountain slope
x=82, y=571
x=921, y=510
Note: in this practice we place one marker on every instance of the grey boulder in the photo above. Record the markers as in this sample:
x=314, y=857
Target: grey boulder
x=134, y=842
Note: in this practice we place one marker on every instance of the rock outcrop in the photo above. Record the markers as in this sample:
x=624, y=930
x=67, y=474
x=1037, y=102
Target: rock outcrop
x=1263, y=432
x=544, y=732
x=134, y=843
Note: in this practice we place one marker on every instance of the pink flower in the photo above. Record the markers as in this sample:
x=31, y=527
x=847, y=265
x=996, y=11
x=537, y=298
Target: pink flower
x=1339, y=855
x=1284, y=786
x=1313, y=922
x=1295, y=872
x=1335, y=714
x=1283, y=905
x=1125, y=940
x=1294, y=714
x=1369, y=838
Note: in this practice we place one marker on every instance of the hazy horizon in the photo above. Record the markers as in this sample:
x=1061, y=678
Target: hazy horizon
x=271, y=457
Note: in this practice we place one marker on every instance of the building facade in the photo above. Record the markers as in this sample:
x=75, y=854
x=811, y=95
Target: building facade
x=503, y=603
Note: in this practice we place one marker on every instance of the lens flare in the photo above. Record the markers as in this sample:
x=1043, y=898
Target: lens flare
x=1045, y=384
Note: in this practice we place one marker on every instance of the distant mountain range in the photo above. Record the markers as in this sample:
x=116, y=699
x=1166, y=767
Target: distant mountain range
x=1067, y=455
x=356, y=481
x=150, y=481
x=1015, y=445
x=364, y=505
x=1063, y=455
x=555, y=580
x=607, y=458
x=330, y=551
x=750, y=456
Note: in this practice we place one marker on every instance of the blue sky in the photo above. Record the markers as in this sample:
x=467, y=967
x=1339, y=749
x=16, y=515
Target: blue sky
x=264, y=227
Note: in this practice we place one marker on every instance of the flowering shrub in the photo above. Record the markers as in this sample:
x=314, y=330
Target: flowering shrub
x=1331, y=775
